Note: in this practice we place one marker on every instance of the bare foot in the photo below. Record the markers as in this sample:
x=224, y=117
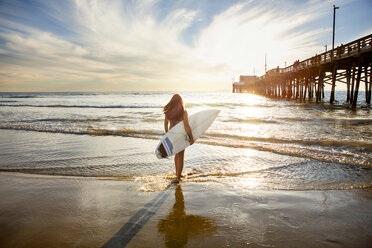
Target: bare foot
x=176, y=181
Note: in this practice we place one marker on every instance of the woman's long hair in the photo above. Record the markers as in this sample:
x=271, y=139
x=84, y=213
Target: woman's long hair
x=174, y=109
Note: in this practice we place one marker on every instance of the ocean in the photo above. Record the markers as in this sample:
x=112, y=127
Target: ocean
x=255, y=142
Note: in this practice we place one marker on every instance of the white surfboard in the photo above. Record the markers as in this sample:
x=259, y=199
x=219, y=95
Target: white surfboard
x=176, y=139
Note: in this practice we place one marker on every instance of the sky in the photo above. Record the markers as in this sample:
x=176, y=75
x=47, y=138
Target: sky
x=163, y=45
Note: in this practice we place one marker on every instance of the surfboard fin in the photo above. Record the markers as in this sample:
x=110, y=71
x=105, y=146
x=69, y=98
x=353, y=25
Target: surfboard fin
x=162, y=151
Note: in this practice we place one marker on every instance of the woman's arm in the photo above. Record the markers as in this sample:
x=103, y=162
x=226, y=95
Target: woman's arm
x=165, y=124
x=187, y=127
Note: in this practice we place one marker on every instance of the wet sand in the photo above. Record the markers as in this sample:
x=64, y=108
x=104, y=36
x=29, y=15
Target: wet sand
x=47, y=211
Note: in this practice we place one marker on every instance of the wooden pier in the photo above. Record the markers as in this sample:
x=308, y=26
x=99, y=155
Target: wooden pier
x=348, y=64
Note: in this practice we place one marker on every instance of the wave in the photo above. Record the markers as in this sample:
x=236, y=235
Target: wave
x=272, y=178
x=250, y=120
x=73, y=120
x=65, y=120
x=361, y=121
x=153, y=119
x=78, y=106
x=49, y=168
x=290, y=177
x=281, y=120
x=72, y=171
x=208, y=135
x=149, y=134
x=325, y=154
x=319, y=142
x=359, y=153
x=228, y=105
x=19, y=96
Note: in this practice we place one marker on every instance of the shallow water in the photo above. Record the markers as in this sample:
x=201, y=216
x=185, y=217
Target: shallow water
x=255, y=142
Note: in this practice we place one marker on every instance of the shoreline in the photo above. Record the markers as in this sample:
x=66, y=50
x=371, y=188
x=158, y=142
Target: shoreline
x=59, y=211
x=185, y=180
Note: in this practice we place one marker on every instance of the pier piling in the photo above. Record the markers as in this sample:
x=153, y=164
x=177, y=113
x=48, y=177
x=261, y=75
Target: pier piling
x=355, y=98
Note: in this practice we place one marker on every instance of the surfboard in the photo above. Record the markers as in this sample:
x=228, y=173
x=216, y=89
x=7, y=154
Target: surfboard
x=176, y=139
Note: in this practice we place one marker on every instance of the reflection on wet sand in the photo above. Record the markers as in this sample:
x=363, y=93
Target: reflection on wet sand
x=178, y=227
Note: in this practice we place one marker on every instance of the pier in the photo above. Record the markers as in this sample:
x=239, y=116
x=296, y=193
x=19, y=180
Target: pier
x=348, y=64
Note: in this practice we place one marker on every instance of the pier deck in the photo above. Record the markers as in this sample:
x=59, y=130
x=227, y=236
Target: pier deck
x=348, y=64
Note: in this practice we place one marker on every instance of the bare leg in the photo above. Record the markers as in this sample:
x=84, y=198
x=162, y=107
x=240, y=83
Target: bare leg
x=179, y=164
x=176, y=162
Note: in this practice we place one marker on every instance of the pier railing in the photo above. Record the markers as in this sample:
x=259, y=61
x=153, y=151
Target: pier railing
x=341, y=52
x=350, y=64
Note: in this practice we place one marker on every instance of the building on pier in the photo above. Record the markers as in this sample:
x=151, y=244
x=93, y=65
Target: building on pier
x=245, y=83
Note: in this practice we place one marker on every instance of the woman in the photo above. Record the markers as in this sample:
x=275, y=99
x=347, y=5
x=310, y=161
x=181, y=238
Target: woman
x=175, y=112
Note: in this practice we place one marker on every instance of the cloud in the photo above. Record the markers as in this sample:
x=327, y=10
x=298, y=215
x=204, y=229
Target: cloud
x=242, y=35
x=134, y=45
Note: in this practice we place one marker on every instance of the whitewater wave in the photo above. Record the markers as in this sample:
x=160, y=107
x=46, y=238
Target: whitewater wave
x=149, y=134
x=284, y=120
x=18, y=96
x=321, y=150
x=318, y=142
x=301, y=177
x=78, y=106
x=228, y=105
x=208, y=135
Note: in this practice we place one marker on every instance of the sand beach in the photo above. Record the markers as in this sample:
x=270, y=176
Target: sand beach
x=49, y=211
